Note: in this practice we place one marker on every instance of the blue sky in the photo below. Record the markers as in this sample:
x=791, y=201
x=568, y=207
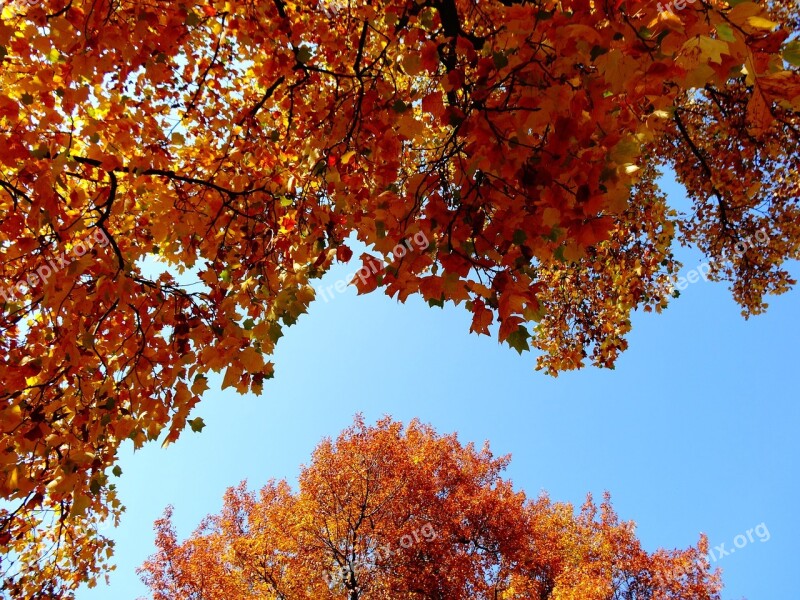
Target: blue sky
x=695, y=431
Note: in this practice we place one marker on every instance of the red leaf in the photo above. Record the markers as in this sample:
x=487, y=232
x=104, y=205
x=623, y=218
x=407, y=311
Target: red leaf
x=344, y=254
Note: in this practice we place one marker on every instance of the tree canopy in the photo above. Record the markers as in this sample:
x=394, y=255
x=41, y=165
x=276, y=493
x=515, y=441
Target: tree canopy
x=174, y=175
x=388, y=512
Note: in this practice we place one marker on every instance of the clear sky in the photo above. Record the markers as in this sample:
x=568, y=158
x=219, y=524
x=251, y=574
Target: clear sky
x=695, y=431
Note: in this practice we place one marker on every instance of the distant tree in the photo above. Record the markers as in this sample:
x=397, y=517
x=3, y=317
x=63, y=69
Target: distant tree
x=174, y=174
x=388, y=512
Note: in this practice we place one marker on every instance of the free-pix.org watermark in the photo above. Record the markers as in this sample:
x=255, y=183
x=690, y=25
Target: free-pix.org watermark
x=419, y=240
x=702, y=270
x=343, y=573
x=740, y=541
x=683, y=570
x=44, y=272
x=678, y=4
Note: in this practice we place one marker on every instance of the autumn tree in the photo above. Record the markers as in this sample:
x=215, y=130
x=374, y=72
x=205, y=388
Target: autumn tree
x=175, y=174
x=388, y=512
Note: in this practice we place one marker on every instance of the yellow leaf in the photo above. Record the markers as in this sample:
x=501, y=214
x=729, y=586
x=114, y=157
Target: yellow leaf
x=232, y=376
x=699, y=76
x=12, y=483
x=551, y=217
x=79, y=505
x=347, y=156
x=251, y=359
x=712, y=49
x=200, y=385
x=761, y=23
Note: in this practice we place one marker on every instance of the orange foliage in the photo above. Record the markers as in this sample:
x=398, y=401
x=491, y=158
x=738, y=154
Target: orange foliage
x=175, y=174
x=388, y=512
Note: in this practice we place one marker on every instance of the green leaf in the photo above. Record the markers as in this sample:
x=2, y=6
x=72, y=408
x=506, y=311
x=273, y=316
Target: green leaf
x=725, y=33
x=197, y=425
x=625, y=151
x=500, y=60
x=518, y=340
x=319, y=168
x=426, y=18
x=436, y=302
x=597, y=51
x=791, y=53
x=303, y=54
x=286, y=201
x=248, y=324
x=192, y=18
x=275, y=332
x=519, y=237
x=534, y=314
x=117, y=471
x=399, y=106
x=40, y=152
x=555, y=233
x=94, y=486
